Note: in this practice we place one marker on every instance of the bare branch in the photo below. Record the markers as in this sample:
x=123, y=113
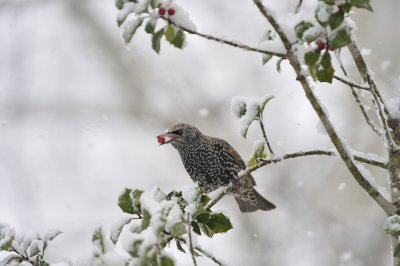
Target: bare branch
x=350, y=83
x=265, y=134
x=366, y=76
x=227, y=42
x=336, y=140
x=218, y=198
x=208, y=255
x=190, y=240
x=357, y=98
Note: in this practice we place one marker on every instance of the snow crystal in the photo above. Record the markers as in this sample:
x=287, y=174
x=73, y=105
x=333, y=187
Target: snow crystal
x=346, y=256
x=238, y=104
x=385, y=65
x=393, y=106
x=342, y=186
x=365, y=51
x=203, y=112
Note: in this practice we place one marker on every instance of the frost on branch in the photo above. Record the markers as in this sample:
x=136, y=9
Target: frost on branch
x=27, y=249
x=392, y=227
x=133, y=13
x=142, y=238
x=248, y=110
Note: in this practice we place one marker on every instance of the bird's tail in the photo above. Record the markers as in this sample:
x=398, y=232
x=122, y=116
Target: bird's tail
x=251, y=201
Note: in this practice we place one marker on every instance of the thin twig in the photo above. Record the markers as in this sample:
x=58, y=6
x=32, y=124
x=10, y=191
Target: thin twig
x=366, y=76
x=265, y=134
x=358, y=100
x=218, y=198
x=350, y=83
x=208, y=255
x=227, y=42
x=190, y=240
x=347, y=158
x=298, y=6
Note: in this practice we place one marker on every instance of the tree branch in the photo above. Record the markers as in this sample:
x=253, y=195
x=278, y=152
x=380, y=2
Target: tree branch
x=190, y=240
x=208, y=255
x=336, y=140
x=265, y=134
x=227, y=42
x=350, y=83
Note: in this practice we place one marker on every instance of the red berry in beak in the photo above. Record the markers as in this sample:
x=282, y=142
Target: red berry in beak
x=171, y=11
x=161, y=139
x=161, y=11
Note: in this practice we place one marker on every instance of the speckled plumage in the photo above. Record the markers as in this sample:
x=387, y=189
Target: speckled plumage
x=212, y=163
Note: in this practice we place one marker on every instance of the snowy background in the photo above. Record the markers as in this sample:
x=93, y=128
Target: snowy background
x=79, y=114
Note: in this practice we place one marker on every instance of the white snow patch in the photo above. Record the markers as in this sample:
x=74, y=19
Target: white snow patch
x=393, y=106
x=181, y=17
x=203, y=112
x=341, y=186
x=346, y=256
x=258, y=146
x=238, y=104
x=392, y=225
x=190, y=194
x=158, y=194
x=365, y=51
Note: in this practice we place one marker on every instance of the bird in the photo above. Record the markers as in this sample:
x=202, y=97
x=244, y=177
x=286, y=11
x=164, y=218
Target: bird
x=212, y=163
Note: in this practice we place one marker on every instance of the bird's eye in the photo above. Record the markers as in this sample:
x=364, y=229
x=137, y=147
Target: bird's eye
x=177, y=132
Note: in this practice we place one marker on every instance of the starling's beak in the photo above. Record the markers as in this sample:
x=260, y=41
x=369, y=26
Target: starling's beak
x=166, y=138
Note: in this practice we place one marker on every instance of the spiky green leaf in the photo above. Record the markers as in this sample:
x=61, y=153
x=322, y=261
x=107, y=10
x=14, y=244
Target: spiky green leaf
x=219, y=223
x=156, y=40
x=311, y=58
x=336, y=19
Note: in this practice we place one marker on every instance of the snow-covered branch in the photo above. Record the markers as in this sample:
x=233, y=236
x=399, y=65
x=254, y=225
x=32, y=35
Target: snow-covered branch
x=349, y=83
x=319, y=109
x=227, y=42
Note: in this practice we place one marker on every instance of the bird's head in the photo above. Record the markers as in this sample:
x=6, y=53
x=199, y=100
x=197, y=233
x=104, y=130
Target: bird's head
x=179, y=135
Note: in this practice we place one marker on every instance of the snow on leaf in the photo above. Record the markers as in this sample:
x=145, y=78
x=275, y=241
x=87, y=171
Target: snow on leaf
x=393, y=106
x=116, y=229
x=131, y=25
x=127, y=9
x=158, y=194
x=392, y=225
x=51, y=235
x=238, y=106
x=7, y=235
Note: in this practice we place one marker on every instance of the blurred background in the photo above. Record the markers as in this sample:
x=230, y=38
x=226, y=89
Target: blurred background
x=79, y=113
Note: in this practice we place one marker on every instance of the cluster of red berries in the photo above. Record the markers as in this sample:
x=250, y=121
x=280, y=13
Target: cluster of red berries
x=162, y=11
x=322, y=45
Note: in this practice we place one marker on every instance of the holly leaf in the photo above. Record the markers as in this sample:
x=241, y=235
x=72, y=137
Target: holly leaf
x=151, y=25
x=278, y=65
x=169, y=33
x=219, y=223
x=125, y=201
x=178, y=229
x=301, y=28
x=146, y=219
x=396, y=252
x=341, y=39
x=130, y=28
x=311, y=58
x=203, y=217
x=325, y=74
x=166, y=261
x=98, y=240
x=266, y=58
x=362, y=4
x=179, y=39
x=179, y=245
x=336, y=19
x=156, y=39
x=195, y=227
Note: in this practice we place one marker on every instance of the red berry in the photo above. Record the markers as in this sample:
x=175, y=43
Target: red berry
x=330, y=48
x=340, y=8
x=161, y=11
x=320, y=45
x=171, y=11
x=161, y=139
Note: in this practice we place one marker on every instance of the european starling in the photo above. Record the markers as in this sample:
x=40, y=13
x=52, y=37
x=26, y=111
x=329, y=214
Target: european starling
x=212, y=163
